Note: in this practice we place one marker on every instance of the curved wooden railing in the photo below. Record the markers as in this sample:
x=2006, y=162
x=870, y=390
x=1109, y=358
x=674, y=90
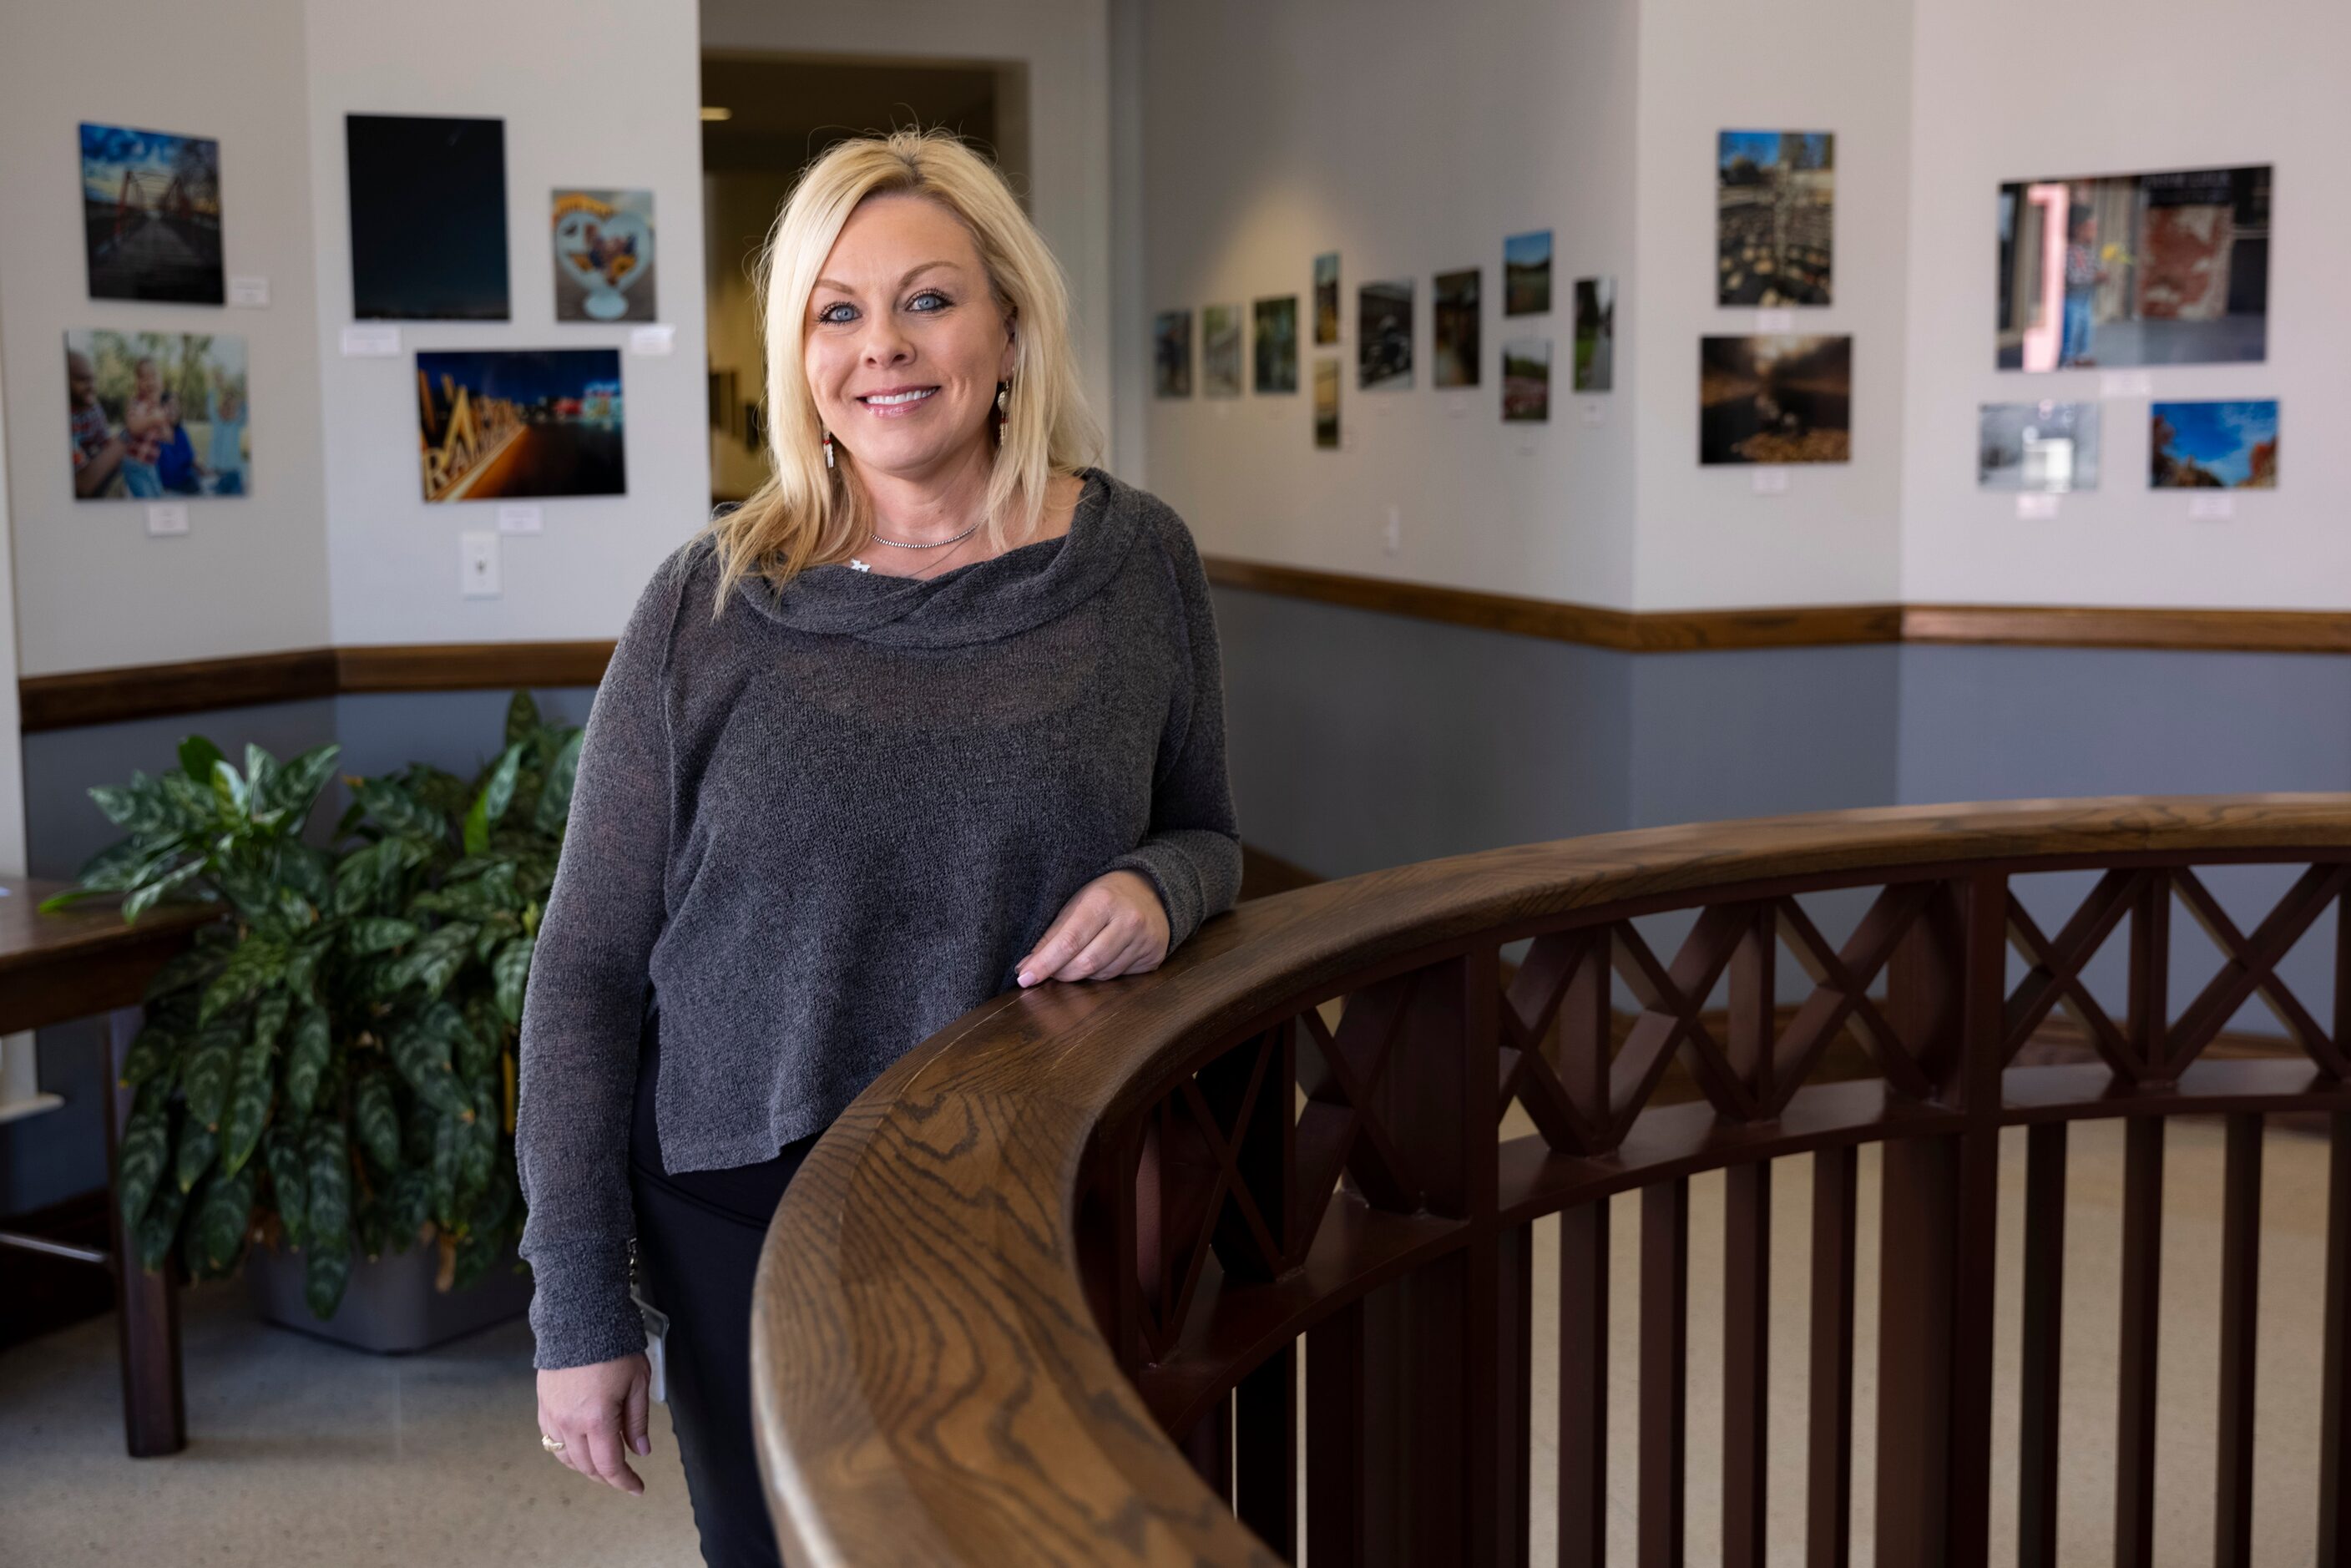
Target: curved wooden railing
x=1039, y=1296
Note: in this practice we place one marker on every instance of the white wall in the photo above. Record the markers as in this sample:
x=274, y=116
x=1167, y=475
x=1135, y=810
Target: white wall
x=597, y=93
x=335, y=543
x=249, y=576
x=1065, y=45
x=1706, y=538
x=19, y=1074
x=2017, y=89
x=1411, y=139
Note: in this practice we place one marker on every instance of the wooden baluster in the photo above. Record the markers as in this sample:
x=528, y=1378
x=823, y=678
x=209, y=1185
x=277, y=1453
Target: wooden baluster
x=1209, y=1447
x=1746, y=1362
x=1828, y=1515
x=1264, y=1452
x=2044, y=1314
x=1665, y=1368
x=2136, y=1373
x=1754, y=1021
x=1945, y=996
x=1342, y=1463
x=1584, y=1385
x=2149, y=1025
x=2335, y=1396
x=1513, y=1484
x=2241, y=1269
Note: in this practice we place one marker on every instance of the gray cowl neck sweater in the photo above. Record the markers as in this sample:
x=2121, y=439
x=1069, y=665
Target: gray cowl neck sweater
x=809, y=834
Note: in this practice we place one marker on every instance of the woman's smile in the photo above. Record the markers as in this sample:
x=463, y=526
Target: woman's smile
x=896, y=401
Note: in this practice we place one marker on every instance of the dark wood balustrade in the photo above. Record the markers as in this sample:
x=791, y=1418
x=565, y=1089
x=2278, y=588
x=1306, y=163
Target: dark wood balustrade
x=1039, y=1295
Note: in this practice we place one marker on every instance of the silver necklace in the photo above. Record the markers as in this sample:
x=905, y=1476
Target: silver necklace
x=857, y=565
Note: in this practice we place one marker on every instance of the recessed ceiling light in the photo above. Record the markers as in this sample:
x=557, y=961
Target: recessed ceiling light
x=711, y=112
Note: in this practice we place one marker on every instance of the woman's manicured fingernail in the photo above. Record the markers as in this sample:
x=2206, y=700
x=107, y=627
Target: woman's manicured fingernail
x=1024, y=976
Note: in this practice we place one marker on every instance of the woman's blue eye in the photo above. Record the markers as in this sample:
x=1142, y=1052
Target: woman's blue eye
x=929, y=294
x=826, y=313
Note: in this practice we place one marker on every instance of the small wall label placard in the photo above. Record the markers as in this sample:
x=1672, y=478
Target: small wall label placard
x=371, y=342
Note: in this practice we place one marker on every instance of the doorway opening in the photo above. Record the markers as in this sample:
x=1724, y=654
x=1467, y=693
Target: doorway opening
x=765, y=117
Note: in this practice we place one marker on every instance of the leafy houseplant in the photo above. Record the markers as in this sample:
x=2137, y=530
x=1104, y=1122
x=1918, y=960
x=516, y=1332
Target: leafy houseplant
x=333, y=1065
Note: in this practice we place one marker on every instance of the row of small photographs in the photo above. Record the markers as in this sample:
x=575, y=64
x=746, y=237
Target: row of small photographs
x=1526, y=389
x=1384, y=344
x=428, y=224
x=2051, y=448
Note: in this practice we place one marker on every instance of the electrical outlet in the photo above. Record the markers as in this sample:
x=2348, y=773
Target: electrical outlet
x=477, y=566
x=1394, y=534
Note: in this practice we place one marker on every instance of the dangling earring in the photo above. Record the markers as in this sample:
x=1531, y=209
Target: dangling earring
x=828, y=449
x=1003, y=396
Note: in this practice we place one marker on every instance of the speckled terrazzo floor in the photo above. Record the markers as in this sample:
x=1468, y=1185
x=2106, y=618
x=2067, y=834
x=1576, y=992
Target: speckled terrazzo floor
x=302, y=1452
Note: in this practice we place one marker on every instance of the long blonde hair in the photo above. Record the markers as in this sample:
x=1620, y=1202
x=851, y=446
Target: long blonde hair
x=806, y=515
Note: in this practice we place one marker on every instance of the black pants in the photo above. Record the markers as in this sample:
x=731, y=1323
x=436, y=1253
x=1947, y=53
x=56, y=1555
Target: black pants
x=698, y=1240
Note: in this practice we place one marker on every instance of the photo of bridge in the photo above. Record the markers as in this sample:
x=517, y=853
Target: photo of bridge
x=150, y=214
x=496, y=424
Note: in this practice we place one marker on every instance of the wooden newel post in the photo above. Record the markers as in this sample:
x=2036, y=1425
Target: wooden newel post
x=1945, y=991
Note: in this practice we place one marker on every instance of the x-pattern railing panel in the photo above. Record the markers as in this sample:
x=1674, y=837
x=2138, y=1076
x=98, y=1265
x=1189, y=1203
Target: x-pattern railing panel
x=1584, y=1098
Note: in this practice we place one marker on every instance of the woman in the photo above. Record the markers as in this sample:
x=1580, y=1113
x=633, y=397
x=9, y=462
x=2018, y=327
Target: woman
x=936, y=714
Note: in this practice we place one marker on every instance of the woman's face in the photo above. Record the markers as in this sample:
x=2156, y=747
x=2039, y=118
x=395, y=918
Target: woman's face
x=906, y=341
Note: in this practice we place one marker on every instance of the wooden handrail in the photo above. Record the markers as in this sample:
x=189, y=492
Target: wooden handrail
x=932, y=1381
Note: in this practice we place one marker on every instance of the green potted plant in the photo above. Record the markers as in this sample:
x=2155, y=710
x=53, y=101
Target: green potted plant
x=330, y=1068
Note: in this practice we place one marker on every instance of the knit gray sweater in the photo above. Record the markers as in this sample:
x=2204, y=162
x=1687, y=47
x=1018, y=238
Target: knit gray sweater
x=814, y=831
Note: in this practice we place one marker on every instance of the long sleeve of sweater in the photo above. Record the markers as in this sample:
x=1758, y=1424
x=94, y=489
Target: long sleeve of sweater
x=584, y=1006
x=1192, y=851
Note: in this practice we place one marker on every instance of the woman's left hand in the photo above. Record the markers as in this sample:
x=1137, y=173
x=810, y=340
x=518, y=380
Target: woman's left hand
x=1112, y=926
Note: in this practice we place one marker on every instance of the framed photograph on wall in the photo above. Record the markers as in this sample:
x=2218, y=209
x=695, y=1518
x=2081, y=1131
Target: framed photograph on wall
x=1775, y=399
x=2215, y=445
x=2044, y=448
x=157, y=415
x=1525, y=381
x=1276, y=344
x=1455, y=352
x=1774, y=217
x=1526, y=274
x=1171, y=353
x=1326, y=404
x=503, y=423
x=603, y=243
x=1326, y=298
x=2120, y=270
x=150, y=214
x=1220, y=351
x=428, y=217
x=1384, y=336
x=1595, y=334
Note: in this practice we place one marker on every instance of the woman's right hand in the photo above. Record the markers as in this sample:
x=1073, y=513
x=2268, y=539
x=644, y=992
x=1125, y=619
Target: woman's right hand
x=592, y=1410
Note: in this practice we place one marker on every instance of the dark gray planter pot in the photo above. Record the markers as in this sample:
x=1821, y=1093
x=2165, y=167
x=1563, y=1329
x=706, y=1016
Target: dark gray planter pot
x=390, y=1306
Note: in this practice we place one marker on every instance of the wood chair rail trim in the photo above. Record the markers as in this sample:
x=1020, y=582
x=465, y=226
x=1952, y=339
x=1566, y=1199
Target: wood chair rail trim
x=113, y=695
x=930, y=1382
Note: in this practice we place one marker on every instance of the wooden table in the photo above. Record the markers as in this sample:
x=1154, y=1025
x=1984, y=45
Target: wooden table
x=78, y=962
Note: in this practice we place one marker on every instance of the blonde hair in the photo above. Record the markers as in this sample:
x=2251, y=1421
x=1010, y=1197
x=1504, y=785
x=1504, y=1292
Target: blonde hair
x=806, y=515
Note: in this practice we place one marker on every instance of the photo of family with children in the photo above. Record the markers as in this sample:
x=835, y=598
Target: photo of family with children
x=156, y=415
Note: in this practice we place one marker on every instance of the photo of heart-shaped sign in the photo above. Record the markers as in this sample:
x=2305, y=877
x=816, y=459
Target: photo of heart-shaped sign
x=604, y=247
